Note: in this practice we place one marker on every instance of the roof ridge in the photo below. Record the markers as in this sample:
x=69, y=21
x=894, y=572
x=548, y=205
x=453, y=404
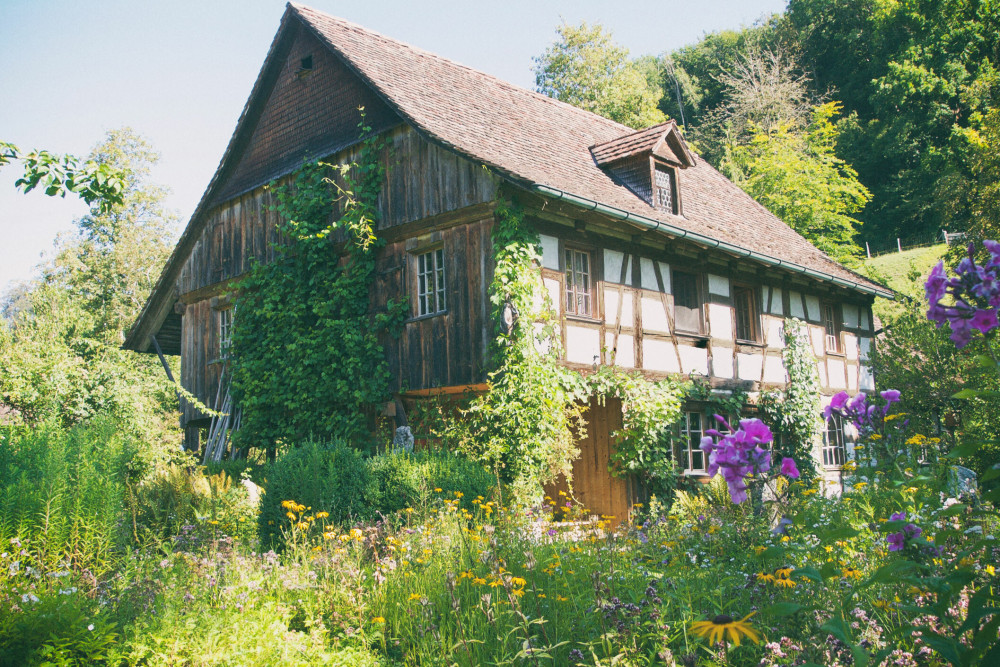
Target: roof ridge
x=299, y=8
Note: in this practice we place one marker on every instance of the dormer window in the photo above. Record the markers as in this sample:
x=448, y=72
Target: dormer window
x=665, y=192
x=647, y=162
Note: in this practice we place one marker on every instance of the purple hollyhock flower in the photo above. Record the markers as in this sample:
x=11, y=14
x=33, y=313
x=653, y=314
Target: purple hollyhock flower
x=898, y=516
x=890, y=396
x=984, y=320
x=837, y=404
x=912, y=531
x=895, y=541
x=788, y=468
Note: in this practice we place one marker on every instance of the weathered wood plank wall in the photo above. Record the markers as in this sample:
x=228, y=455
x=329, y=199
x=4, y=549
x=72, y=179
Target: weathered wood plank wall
x=426, y=188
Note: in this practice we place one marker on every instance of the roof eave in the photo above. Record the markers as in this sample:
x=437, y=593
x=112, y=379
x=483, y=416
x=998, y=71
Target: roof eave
x=707, y=241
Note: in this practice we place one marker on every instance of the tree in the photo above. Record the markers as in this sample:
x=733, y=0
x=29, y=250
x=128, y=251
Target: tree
x=91, y=180
x=587, y=69
x=60, y=337
x=797, y=176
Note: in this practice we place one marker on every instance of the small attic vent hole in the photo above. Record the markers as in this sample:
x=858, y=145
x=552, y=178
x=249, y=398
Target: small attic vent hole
x=305, y=66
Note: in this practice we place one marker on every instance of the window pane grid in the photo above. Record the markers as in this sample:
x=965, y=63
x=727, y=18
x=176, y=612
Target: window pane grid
x=833, y=442
x=430, y=282
x=578, y=283
x=691, y=432
x=664, y=190
x=225, y=331
x=830, y=324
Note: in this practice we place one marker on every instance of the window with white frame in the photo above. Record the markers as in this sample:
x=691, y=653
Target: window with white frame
x=430, y=283
x=832, y=326
x=664, y=192
x=692, y=431
x=579, y=284
x=833, y=441
x=225, y=331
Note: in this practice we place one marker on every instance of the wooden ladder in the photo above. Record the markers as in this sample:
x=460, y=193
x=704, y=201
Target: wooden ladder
x=225, y=421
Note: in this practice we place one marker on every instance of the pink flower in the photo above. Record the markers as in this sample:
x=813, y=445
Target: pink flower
x=788, y=468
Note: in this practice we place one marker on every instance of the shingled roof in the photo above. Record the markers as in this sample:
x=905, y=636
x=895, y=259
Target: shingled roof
x=530, y=139
x=536, y=140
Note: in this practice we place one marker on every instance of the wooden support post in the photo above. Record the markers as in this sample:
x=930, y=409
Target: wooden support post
x=166, y=368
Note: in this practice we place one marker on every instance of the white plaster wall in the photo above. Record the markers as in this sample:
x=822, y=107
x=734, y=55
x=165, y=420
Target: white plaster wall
x=865, y=348
x=613, y=267
x=852, y=378
x=812, y=307
x=774, y=369
x=818, y=337
x=795, y=305
x=851, y=346
x=611, y=297
x=550, y=251
x=659, y=355
x=777, y=305
x=821, y=371
x=775, y=332
x=851, y=315
x=625, y=353
x=838, y=373
x=722, y=362
x=693, y=359
x=654, y=317
x=866, y=381
x=647, y=274
x=665, y=275
x=718, y=285
x=720, y=321
x=749, y=366
x=554, y=288
x=583, y=345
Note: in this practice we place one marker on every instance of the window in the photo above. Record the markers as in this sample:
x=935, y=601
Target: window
x=664, y=190
x=430, y=283
x=833, y=441
x=832, y=326
x=579, y=300
x=747, y=315
x=687, y=302
x=691, y=435
x=225, y=331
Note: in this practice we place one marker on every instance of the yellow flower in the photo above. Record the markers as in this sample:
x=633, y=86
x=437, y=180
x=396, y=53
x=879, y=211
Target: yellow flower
x=479, y=581
x=322, y=515
x=717, y=629
x=851, y=573
x=459, y=494
x=764, y=576
x=495, y=583
x=560, y=598
x=518, y=581
x=990, y=570
x=414, y=596
x=759, y=550
x=787, y=583
x=378, y=619
x=437, y=490
x=883, y=605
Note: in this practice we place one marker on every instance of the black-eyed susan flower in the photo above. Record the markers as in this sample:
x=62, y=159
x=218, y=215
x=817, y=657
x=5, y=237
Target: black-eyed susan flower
x=725, y=628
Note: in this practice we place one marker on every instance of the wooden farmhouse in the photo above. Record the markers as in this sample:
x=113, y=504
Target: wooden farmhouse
x=656, y=261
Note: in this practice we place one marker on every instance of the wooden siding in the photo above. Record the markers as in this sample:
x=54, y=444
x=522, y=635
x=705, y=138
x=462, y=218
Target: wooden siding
x=422, y=181
x=594, y=486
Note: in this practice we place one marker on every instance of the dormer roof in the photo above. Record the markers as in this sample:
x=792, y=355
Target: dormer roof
x=664, y=141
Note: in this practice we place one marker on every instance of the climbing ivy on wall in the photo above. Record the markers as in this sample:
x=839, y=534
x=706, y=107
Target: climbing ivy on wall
x=305, y=355
x=795, y=412
x=523, y=425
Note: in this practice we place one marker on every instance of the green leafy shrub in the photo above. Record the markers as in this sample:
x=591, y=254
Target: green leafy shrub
x=399, y=480
x=325, y=477
x=178, y=495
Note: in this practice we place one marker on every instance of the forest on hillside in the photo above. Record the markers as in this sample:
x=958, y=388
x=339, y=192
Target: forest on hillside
x=852, y=120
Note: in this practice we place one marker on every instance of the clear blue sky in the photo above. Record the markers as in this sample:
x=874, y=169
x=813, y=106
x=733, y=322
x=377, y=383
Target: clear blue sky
x=179, y=72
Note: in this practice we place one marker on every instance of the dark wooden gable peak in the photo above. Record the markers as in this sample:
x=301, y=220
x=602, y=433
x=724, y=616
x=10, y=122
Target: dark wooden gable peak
x=646, y=162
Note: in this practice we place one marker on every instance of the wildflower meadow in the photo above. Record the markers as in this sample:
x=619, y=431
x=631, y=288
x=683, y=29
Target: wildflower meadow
x=117, y=551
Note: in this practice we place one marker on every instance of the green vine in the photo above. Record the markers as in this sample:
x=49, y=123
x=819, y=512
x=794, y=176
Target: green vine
x=650, y=411
x=523, y=426
x=305, y=353
x=795, y=412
